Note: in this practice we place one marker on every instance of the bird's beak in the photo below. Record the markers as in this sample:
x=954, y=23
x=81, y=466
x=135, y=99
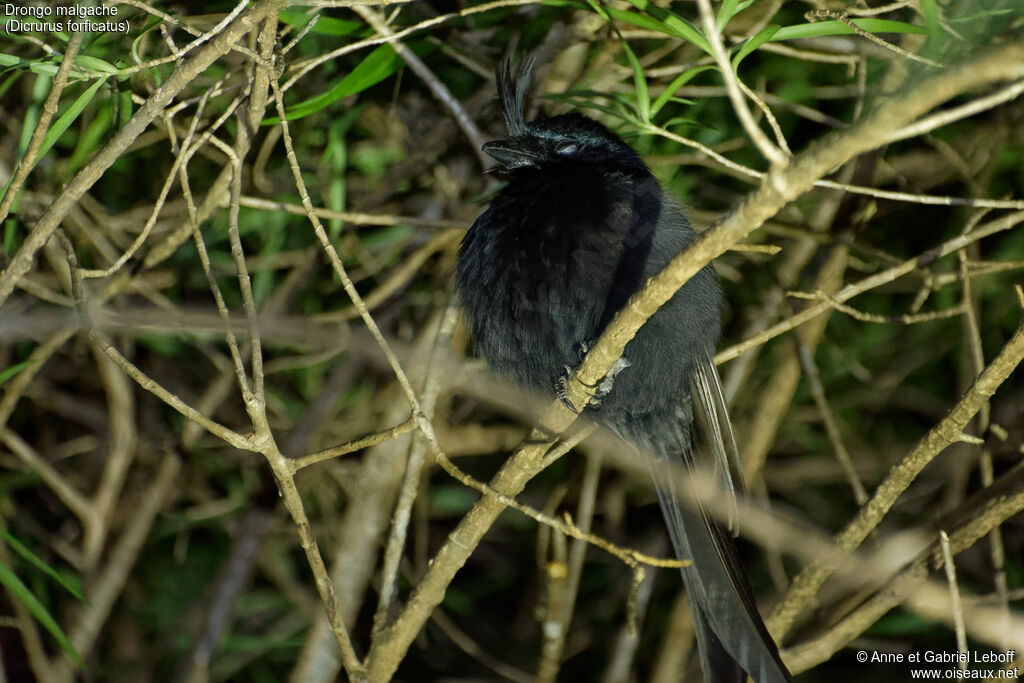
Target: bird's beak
x=511, y=153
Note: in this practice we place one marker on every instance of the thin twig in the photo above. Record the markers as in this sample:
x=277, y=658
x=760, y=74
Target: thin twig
x=333, y=452
x=954, y=592
x=180, y=161
x=352, y=216
x=930, y=123
x=903, y=319
x=828, y=418
x=773, y=154
x=556, y=626
x=931, y=200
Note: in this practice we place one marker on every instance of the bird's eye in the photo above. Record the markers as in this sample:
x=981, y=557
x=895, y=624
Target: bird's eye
x=566, y=150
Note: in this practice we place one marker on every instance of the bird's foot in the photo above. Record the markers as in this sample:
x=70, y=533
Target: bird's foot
x=600, y=390
x=605, y=387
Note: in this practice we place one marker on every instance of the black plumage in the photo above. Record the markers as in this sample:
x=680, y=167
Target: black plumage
x=579, y=227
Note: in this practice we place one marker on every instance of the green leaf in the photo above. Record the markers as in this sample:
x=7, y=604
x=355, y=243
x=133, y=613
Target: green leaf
x=326, y=26
x=978, y=16
x=39, y=66
x=96, y=65
x=10, y=227
x=726, y=12
x=124, y=109
x=90, y=140
x=86, y=67
x=931, y=18
x=378, y=65
x=677, y=83
x=150, y=25
x=335, y=158
x=668, y=23
x=39, y=564
x=643, y=97
x=837, y=28
x=22, y=594
x=8, y=373
x=65, y=120
x=678, y=120
x=40, y=89
x=751, y=44
x=8, y=81
x=639, y=20
x=619, y=111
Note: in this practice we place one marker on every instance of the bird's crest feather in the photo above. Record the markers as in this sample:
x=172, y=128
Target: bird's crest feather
x=512, y=85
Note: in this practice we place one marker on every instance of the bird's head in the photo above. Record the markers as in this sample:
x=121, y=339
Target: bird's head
x=547, y=142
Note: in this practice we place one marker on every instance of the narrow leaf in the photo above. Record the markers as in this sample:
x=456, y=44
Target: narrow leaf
x=95, y=64
x=673, y=24
x=726, y=12
x=65, y=120
x=643, y=97
x=748, y=46
x=677, y=83
x=378, y=65
x=22, y=594
x=837, y=28
x=37, y=562
x=325, y=26
x=13, y=370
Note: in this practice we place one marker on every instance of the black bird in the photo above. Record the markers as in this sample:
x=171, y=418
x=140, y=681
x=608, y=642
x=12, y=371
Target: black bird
x=579, y=227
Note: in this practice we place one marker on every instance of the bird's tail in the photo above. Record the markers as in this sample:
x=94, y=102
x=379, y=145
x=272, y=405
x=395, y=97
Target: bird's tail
x=731, y=636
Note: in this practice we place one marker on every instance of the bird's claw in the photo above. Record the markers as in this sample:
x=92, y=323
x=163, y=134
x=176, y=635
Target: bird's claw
x=582, y=349
x=562, y=389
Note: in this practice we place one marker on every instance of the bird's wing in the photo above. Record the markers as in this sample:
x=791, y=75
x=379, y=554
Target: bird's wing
x=716, y=443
